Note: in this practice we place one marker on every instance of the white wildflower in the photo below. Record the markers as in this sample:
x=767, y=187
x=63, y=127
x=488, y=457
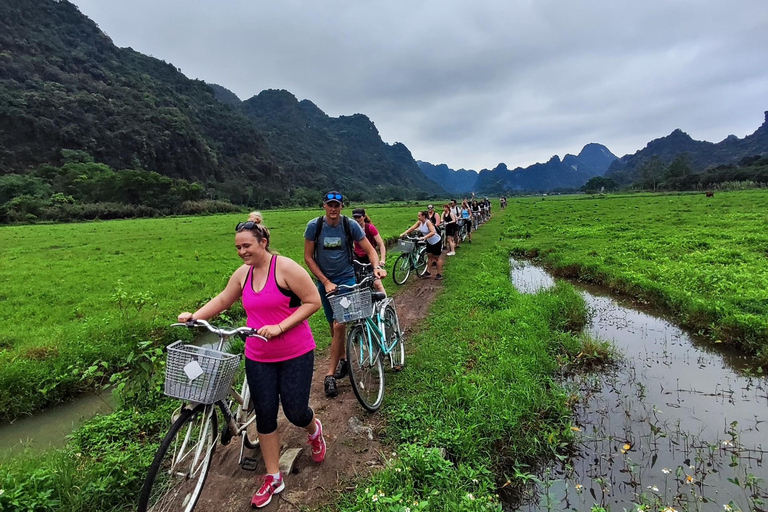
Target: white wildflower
x=666, y=471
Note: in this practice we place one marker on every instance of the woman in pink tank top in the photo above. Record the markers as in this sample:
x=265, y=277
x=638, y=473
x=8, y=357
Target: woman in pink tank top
x=278, y=296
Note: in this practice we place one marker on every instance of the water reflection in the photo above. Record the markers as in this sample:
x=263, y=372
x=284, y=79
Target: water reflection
x=676, y=423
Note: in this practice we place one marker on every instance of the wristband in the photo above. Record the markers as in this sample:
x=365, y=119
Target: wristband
x=281, y=328
x=378, y=267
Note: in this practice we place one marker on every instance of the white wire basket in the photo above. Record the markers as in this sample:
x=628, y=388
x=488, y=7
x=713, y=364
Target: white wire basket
x=406, y=246
x=199, y=374
x=352, y=306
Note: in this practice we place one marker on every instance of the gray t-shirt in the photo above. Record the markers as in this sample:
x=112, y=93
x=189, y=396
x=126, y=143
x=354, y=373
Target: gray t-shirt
x=332, y=256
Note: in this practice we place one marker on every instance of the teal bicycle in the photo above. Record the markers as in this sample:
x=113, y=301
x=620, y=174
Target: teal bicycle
x=413, y=258
x=373, y=335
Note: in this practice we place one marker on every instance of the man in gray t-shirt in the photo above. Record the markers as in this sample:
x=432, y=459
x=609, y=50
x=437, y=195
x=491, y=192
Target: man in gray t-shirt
x=330, y=260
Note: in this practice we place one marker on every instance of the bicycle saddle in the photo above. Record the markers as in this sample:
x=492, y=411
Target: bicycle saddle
x=378, y=296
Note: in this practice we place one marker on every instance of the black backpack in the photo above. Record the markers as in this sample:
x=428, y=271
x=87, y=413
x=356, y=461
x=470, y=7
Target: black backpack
x=319, y=222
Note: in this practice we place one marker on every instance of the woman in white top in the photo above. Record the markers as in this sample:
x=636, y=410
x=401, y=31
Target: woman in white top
x=434, y=243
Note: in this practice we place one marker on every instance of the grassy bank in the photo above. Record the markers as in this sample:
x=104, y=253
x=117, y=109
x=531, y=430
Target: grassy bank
x=475, y=406
x=702, y=259
x=78, y=299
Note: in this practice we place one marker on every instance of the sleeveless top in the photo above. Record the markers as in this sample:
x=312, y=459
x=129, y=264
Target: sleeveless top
x=447, y=218
x=424, y=229
x=465, y=213
x=270, y=306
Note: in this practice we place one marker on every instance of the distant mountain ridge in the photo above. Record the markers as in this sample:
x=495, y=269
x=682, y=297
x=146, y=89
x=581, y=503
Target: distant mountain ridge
x=700, y=154
x=455, y=182
x=570, y=172
x=65, y=86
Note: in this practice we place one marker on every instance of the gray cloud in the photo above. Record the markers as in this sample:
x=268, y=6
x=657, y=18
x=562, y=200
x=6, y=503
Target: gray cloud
x=472, y=84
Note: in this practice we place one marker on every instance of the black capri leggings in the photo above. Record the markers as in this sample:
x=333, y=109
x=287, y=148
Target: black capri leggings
x=288, y=382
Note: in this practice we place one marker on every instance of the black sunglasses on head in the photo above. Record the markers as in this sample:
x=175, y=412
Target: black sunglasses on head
x=250, y=225
x=333, y=197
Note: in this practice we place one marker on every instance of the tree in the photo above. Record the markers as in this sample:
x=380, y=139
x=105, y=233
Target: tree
x=651, y=172
x=599, y=184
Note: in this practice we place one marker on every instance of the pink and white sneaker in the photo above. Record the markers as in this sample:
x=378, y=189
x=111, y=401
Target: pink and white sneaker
x=318, y=443
x=270, y=486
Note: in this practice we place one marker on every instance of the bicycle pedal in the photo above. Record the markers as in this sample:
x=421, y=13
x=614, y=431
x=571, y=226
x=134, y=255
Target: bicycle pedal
x=249, y=464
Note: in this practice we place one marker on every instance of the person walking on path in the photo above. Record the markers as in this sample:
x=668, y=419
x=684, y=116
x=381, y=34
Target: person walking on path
x=278, y=297
x=434, y=243
x=328, y=253
x=373, y=236
x=450, y=223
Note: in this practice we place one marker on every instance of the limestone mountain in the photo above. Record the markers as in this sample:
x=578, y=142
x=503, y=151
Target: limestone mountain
x=570, y=172
x=700, y=155
x=64, y=86
x=317, y=150
x=455, y=182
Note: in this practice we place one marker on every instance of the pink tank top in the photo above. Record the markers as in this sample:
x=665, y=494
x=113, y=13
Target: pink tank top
x=271, y=306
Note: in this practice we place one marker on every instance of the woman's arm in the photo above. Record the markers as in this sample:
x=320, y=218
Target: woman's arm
x=409, y=229
x=382, y=248
x=292, y=276
x=432, y=231
x=221, y=302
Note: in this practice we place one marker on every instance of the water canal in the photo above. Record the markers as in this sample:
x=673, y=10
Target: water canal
x=677, y=422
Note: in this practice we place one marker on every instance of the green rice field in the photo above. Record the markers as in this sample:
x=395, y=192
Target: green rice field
x=704, y=260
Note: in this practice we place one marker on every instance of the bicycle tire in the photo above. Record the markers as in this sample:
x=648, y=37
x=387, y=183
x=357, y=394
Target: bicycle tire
x=245, y=413
x=392, y=332
x=421, y=261
x=190, y=442
x=402, y=269
x=366, y=370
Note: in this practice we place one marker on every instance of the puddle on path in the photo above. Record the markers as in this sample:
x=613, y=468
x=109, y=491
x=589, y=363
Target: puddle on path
x=676, y=423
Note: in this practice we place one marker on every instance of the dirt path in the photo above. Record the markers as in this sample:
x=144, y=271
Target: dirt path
x=349, y=454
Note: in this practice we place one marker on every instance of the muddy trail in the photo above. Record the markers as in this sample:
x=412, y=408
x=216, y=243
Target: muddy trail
x=351, y=434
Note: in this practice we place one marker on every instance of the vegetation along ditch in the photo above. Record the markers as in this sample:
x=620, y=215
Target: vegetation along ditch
x=676, y=421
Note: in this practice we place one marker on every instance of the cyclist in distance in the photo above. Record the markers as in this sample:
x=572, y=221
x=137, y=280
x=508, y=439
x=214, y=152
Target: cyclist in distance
x=373, y=236
x=456, y=211
x=434, y=243
x=466, y=218
x=450, y=223
x=433, y=217
x=476, y=213
x=278, y=297
x=328, y=253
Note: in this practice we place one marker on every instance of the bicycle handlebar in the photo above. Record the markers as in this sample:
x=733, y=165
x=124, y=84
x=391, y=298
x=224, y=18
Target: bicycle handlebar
x=223, y=333
x=367, y=283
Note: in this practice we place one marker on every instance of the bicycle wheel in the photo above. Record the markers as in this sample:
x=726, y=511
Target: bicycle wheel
x=366, y=371
x=402, y=269
x=246, y=414
x=178, y=472
x=394, y=337
x=421, y=261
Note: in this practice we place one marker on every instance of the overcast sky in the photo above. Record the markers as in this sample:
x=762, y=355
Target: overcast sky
x=475, y=83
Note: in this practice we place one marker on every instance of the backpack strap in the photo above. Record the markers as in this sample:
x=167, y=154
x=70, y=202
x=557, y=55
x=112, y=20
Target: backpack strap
x=350, y=240
x=318, y=228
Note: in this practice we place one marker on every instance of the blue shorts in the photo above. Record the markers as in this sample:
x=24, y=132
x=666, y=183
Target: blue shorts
x=346, y=281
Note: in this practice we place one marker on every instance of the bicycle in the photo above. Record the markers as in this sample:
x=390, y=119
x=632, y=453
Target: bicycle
x=203, y=378
x=413, y=257
x=373, y=332
x=464, y=227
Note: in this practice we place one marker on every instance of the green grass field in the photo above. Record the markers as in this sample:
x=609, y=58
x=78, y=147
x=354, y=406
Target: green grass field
x=78, y=298
x=478, y=384
x=480, y=377
x=702, y=259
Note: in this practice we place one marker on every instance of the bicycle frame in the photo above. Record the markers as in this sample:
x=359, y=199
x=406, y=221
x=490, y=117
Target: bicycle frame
x=374, y=328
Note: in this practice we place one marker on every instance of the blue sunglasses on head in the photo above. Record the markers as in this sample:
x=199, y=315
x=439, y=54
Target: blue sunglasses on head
x=330, y=197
